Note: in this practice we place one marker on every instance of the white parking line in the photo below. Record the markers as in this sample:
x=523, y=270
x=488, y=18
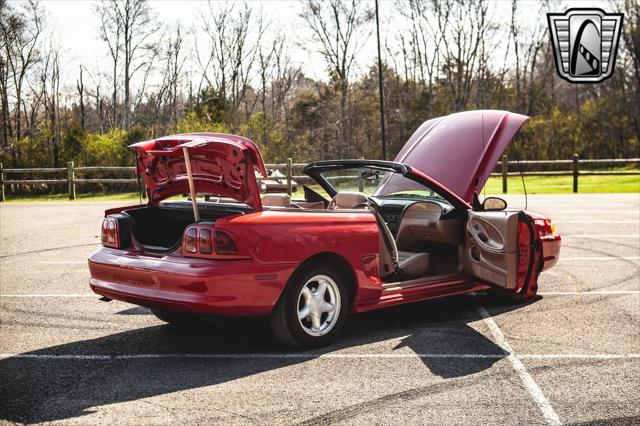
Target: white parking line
x=635, y=237
x=588, y=292
x=311, y=356
x=598, y=258
x=530, y=384
x=571, y=222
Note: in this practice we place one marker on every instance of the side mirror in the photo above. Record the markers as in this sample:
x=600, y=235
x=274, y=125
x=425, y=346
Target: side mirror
x=494, y=204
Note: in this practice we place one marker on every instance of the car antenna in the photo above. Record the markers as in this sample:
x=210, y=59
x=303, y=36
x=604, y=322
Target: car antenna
x=192, y=189
x=524, y=186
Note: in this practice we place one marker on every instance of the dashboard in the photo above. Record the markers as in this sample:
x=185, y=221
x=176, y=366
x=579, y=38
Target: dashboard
x=392, y=209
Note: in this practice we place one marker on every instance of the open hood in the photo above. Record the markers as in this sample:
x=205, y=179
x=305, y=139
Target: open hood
x=460, y=150
x=221, y=165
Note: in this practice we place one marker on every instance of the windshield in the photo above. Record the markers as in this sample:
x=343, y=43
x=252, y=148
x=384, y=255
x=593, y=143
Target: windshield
x=377, y=183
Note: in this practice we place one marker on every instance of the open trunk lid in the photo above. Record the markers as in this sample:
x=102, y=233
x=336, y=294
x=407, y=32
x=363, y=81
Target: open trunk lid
x=460, y=150
x=221, y=164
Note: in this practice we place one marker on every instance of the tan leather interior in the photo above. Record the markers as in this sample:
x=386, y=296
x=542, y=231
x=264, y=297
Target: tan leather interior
x=413, y=265
x=348, y=200
x=276, y=200
x=421, y=222
x=409, y=265
x=491, y=247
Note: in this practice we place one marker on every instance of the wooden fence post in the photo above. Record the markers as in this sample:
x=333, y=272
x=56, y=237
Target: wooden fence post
x=289, y=175
x=1, y=183
x=71, y=180
x=575, y=173
x=505, y=171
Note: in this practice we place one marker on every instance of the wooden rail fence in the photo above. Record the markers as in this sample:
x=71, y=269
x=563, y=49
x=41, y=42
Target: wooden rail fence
x=71, y=181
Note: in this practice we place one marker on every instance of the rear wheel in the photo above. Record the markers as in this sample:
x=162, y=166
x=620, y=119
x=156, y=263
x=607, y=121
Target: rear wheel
x=175, y=318
x=313, y=307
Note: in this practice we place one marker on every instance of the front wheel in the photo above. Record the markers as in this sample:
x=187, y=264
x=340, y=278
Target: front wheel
x=313, y=308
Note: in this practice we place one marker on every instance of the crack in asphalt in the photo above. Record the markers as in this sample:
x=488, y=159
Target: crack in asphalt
x=4, y=256
x=351, y=411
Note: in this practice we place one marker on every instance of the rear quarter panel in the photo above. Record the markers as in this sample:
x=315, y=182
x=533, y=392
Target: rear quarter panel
x=286, y=237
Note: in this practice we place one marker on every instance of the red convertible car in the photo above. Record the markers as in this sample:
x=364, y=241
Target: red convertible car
x=367, y=235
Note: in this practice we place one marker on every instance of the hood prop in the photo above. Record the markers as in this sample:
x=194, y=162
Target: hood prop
x=192, y=189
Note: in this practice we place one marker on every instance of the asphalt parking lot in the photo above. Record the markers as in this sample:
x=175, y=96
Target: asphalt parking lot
x=571, y=357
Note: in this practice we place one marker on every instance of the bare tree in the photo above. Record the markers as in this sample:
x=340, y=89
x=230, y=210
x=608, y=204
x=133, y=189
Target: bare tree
x=341, y=29
x=167, y=97
x=127, y=27
x=20, y=31
x=429, y=21
x=631, y=48
x=226, y=63
x=468, y=25
x=286, y=77
x=50, y=87
x=527, y=45
x=80, y=87
x=110, y=33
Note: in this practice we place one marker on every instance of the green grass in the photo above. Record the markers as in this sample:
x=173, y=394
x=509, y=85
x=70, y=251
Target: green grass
x=125, y=196
x=564, y=184
x=534, y=184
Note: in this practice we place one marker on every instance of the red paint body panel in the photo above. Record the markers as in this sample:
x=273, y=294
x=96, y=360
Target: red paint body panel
x=277, y=242
x=417, y=293
x=231, y=288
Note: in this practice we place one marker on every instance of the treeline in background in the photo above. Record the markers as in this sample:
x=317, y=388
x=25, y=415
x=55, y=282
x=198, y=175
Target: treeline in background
x=234, y=72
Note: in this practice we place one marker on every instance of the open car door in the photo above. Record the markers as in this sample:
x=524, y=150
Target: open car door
x=502, y=248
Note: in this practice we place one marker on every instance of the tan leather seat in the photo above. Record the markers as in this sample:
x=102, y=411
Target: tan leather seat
x=413, y=265
x=406, y=265
x=276, y=200
x=348, y=200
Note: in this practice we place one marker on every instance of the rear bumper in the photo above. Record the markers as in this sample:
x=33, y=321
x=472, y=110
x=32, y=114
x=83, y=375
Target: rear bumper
x=221, y=287
x=550, y=250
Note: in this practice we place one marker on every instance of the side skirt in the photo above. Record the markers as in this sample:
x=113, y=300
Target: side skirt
x=400, y=295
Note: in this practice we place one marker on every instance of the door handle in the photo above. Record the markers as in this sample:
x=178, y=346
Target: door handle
x=482, y=239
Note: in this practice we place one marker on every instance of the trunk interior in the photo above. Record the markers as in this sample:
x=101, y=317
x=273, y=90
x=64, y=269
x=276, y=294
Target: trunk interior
x=160, y=228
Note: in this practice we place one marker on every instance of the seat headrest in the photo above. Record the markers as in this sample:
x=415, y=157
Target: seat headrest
x=349, y=199
x=276, y=200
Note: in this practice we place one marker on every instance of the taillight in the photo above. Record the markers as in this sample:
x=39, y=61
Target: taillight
x=204, y=241
x=109, y=233
x=103, y=233
x=204, y=236
x=544, y=226
x=190, y=240
x=224, y=244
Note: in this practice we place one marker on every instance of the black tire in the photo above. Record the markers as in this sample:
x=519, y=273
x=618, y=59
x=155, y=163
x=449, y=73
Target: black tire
x=284, y=317
x=174, y=318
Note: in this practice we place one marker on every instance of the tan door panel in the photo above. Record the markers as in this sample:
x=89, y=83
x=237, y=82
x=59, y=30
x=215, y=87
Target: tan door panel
x=491, y=247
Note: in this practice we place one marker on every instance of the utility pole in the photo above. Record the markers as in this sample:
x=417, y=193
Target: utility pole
x=382, y=128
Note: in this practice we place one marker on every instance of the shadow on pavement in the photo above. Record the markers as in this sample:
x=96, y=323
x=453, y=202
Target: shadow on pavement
x=42, y=390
